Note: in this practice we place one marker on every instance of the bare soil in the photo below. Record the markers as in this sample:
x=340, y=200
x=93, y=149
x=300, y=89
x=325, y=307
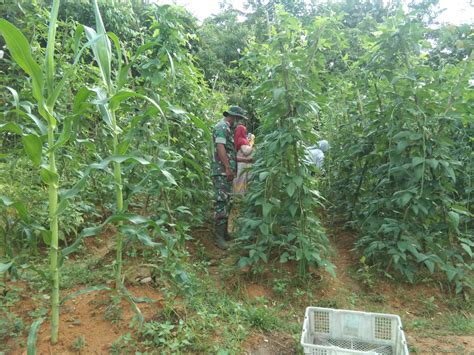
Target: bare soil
x=93, y=318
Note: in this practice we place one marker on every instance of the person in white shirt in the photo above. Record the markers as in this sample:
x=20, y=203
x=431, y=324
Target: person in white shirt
x=316, y=153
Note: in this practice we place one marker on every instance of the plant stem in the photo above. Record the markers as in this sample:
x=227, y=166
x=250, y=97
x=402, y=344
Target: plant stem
x=53, y=185
x=119, y=197
x=53, y=253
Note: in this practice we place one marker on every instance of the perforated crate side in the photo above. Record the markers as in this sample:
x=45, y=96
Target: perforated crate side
x=329, y=331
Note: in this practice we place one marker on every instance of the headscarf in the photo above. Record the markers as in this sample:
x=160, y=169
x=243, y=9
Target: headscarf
x=240, y=137
x=323, y=145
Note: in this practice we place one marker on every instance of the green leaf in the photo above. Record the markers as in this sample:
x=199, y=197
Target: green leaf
x=169, y=177
x=417, y=161
x=10, y=127
x=468, y=250
x=49, y=177
x=278, y=93
x=298, y=180
x=266, y=208
x=430, y=265
x=263, y=175
x=20, y=51
x=453, y=219
x=33, y=148
x=264, y=228
x=80, y=100
x=102, y=48
x=5, y=267
x=293, y=209
x=32, y=335
x=290, y=189
x=123, y=95
x=405, y=198
x=85, y=291
x=46, y=237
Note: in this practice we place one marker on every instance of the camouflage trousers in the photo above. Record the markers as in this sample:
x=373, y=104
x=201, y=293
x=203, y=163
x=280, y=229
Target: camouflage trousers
x=222, y=199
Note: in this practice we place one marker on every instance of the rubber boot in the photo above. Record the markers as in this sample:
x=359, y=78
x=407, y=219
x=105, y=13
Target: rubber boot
x=220, y=237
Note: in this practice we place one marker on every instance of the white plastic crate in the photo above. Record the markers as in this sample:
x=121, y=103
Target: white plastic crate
x=328, y=331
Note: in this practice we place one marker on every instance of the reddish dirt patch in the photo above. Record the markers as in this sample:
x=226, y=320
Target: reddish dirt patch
x=255, y=290
x=443, y=344
x=270, y=344
x=86, y=316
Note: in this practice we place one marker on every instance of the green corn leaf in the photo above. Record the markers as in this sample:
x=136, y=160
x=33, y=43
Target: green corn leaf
x=80, y=100
x=20, y=51
x=101, y=103
x=49, y=177
x=42, y=128
x=102, y=53
x=16, y=99
x=11, y=127
x=102, y=48
x=118, y=51
x=146, y=240
x=46, y=235
x=32, y=335
x=33, y=148
x=49, y=57
x=85, y=291
x=65, y=133
x=123, y=146
x=92, y=231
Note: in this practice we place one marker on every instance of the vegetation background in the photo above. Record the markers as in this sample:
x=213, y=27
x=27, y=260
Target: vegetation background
x=105, y=193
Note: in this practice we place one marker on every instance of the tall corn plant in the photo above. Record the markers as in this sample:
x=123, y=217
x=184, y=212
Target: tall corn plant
x=108, y=103
x=46, y=92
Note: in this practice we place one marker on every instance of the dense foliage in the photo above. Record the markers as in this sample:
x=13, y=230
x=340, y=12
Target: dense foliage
x=108, y=107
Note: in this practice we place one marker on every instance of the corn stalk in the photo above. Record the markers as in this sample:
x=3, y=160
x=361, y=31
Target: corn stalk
x=109, y=103
x=46, y=92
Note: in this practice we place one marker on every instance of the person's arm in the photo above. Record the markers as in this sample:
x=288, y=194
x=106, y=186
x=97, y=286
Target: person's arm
x=222, y=154
x=246, y=151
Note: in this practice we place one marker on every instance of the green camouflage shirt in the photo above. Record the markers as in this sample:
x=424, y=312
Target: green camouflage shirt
x=223, y=134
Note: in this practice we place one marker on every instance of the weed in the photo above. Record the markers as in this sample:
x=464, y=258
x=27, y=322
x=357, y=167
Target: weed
x=167, y=335
x=122, y=344
x=79, y=343
x=280, y=286
x=327, y=303
x=113, y=312
x=429, y=306
x=11, y=326
x=261, y=318
x=460, y=324
x=365, y=274
x=419, y=324
x=377, y=299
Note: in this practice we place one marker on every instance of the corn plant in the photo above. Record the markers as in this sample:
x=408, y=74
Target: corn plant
x=46, y=93
x=108, y=102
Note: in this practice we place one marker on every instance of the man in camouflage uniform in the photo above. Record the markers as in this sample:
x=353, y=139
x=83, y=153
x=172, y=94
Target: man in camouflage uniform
x=224, y=168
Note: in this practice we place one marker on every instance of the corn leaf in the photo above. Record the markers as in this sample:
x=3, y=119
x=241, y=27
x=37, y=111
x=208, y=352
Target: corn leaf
x=20, y=51
x=32, y=335
x=33, y=147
